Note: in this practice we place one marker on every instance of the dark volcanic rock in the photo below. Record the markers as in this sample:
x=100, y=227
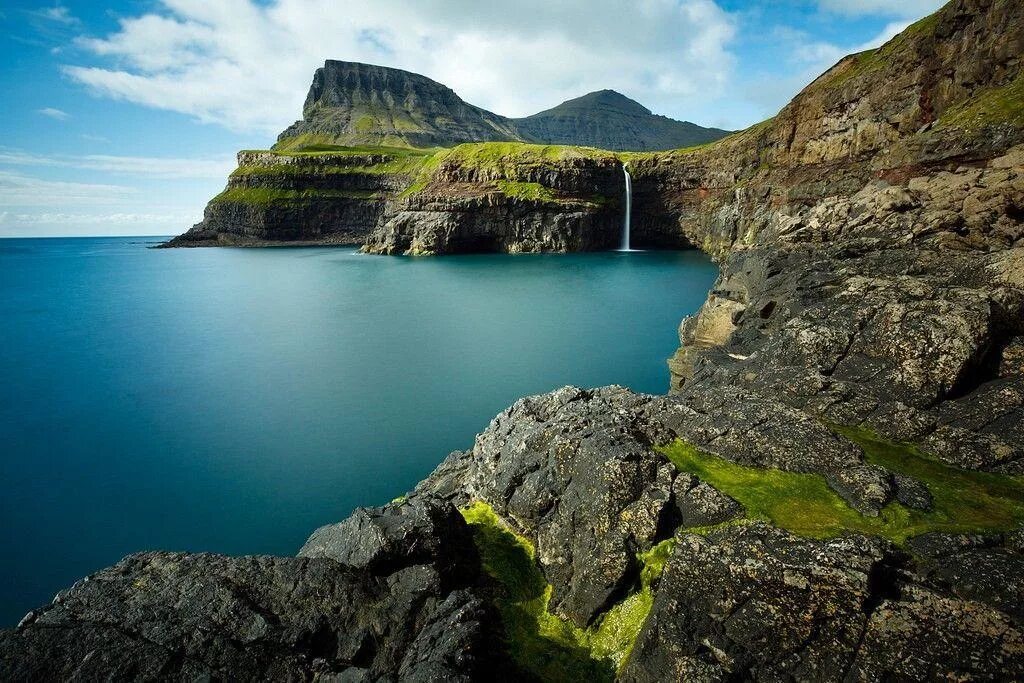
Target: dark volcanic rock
x=756, y=603
x=574, y=470
x=989, y=569
x=911, y=492
x=396, y=609
x=413, y=531
x=699, y=504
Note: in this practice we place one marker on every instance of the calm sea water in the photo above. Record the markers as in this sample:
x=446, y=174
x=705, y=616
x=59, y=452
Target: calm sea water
x=233, y=400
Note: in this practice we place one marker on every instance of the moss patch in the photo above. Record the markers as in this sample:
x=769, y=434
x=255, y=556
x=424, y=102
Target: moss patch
x=964, y=500
x=805, y=505
x=533, y=192
x=543, y=643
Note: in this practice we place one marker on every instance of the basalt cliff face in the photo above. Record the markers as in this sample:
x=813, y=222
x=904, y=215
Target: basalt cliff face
x=831, y=490
x=373, y=139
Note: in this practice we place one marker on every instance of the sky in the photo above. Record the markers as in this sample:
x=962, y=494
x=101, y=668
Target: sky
x=123, y=118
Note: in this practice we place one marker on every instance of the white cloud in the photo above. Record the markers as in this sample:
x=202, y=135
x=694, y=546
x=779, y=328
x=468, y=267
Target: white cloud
x=54, y=113
x=59, y=14
x=156, y=167
x=21, y=190
x=820, y=55
x=247, y=65
x=909, y=9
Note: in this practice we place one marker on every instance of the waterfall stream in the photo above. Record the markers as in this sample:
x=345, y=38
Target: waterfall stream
x=624, y=246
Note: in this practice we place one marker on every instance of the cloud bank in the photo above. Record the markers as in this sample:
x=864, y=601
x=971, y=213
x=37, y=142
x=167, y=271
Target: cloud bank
x=17, y=189
x=156, y=167
x=245, y=64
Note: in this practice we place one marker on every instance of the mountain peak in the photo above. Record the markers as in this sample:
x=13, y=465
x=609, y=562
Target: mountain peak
x=610, y=120
x=351, y=103
x=601, y=99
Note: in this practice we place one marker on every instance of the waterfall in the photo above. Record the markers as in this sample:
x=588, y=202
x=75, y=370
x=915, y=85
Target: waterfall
x=629, y=210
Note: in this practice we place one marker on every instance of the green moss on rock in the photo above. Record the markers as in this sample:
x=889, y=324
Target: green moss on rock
x=805, y=505
x=541, y=642
x=533, y=192
x=964, y=501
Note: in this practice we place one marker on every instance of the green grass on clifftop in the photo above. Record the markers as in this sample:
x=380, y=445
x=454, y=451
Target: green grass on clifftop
x=263, y=197
x=805, y=505
x=407, y=165
x=311, y=143
x=992, y=106
x=506, y=162
x=497, y=155
x=534, y=192
x=542, y=643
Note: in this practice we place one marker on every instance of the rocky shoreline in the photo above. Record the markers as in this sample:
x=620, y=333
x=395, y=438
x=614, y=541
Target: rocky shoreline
x=831, y=490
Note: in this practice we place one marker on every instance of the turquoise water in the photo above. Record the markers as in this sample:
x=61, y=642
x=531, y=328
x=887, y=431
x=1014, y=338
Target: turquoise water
x=233, y=400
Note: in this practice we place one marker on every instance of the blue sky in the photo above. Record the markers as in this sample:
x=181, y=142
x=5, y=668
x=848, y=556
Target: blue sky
x=123, y=118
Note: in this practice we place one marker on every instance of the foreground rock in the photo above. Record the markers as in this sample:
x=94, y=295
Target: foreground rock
x=552, y=461
x=372, y=604
x=755, y=603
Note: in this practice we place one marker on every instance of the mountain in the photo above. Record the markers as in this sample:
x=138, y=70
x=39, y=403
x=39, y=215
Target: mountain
x=352, y=104
x=356, y=104
x=609, y=120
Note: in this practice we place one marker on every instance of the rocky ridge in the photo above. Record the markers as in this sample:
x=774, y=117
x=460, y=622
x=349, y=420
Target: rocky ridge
x=362, y=104
x=609, y=120
x=871, y=238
